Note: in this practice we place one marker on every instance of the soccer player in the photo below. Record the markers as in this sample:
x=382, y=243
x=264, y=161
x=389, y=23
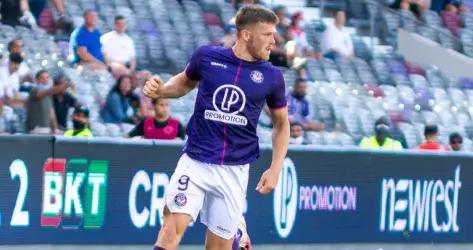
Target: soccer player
x=211, y=177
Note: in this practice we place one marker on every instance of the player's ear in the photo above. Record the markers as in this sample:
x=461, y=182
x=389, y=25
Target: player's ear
x=245, y=34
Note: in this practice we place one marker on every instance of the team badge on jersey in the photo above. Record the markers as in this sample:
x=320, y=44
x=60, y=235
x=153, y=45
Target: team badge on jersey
x=180, y=199
x=257, y=76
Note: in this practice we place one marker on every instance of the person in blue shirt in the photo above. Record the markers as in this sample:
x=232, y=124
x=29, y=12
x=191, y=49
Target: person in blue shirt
x=85, y=42
x=299, y=108
x=118, y=105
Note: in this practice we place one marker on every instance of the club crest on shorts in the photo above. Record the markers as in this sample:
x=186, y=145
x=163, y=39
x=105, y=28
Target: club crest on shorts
x=256, y=76
x=180, y=199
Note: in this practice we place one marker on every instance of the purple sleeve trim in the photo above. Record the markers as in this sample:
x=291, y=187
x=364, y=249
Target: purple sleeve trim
x=279, y=107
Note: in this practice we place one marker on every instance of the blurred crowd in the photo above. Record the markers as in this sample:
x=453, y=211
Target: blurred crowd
x=419, y=6
x=451, y=12
x=292, y=47
x=44, y=102
x=386, y=136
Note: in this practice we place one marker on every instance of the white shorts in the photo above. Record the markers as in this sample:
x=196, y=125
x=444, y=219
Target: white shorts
x=217, y=192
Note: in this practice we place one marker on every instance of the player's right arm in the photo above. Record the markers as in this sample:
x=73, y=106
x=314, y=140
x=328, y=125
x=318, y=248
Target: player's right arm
x=277, y=103
x=179, y=85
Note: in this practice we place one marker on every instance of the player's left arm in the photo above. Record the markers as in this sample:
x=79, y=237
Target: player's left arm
x=280, y=141
x=280, y=136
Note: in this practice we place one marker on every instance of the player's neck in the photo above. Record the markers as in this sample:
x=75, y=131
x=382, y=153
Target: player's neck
x=241, y=52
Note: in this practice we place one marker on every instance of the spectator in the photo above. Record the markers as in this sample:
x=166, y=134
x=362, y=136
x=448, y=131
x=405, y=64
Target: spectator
x=15, y=46
x=394, y=131
x=298, y=35
x=415, y=6
x=85, y=43
x=52, y=20
x=437, y=5
x=283, y=25
x=299, y=107
x=135, y=97
x=40, y=112
x=463, y=8
x=80, y=121
x=119, y=49
x=431, y=133
x=456, y=142
x=453, y=6
x=381, y=140
x=297, y=134
x=63, y=101
x=336, y=41
x=118, y=108
x=278, y=55
x=9, y=79
x=17, y=12
x=38, y=6
x=137, y=109
x=161, y=126
x=230, y=37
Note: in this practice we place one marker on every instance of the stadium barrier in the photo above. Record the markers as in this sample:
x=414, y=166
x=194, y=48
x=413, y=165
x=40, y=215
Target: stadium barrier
x=56, y=190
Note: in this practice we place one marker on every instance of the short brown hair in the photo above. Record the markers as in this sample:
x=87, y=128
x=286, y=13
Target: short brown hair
x=253, y=14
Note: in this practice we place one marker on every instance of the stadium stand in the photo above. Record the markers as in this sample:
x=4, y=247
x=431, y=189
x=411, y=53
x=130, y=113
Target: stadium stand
x=346, y=95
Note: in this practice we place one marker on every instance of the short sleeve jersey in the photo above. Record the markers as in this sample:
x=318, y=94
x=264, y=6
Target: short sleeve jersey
x=231, y=95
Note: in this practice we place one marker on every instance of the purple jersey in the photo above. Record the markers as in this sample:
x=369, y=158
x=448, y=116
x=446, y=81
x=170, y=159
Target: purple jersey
x=231, y=95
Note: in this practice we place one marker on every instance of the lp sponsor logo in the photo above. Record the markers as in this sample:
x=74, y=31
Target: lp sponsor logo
x=228, y=100
x=285, y=199
x=420, y=205
x=74, y=194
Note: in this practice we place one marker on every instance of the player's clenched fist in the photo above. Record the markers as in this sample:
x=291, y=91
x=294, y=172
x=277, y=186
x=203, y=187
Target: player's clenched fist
x=153, y=88
x=268, y=181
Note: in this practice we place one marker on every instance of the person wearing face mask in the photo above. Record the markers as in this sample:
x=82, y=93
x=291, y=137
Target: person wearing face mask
x=297, y=134
x=15, y=46
x=455, y=141
x=299, y=107
x=381, y=140
x=80, y=123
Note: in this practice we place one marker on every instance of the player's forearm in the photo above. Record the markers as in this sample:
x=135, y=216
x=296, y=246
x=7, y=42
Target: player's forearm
x=280, y=140
x=179, y=85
